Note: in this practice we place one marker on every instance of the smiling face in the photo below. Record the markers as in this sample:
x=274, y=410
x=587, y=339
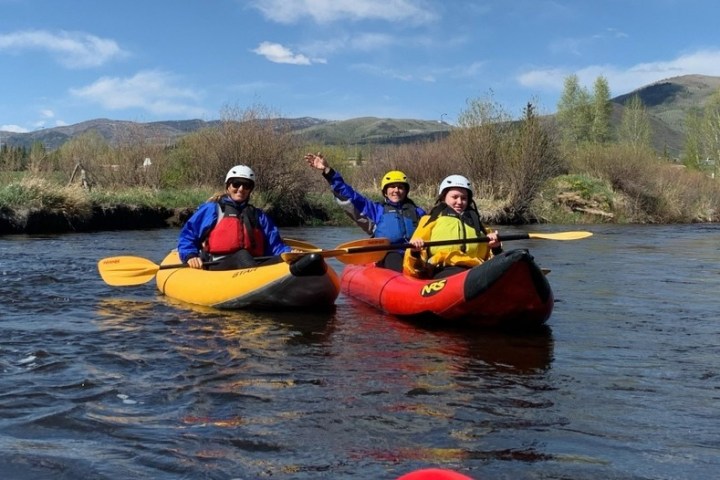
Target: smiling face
x=396, y=192
x=457, y=199
x=239, y=189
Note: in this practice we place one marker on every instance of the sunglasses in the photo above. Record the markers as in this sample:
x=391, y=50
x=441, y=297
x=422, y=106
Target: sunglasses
x=239, y=183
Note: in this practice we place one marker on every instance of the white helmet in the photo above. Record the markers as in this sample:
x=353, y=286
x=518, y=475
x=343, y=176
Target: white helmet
x=457, y=181
x=240, y=171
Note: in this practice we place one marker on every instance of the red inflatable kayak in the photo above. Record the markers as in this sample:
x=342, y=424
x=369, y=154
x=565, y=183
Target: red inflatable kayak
x=509, y=290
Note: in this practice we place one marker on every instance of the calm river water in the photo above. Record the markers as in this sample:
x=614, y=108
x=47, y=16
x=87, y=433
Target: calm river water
x=100, y=382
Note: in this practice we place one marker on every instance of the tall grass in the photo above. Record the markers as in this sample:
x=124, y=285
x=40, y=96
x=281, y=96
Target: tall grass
x=34, y=193
x=649, y=189
x=519, y=172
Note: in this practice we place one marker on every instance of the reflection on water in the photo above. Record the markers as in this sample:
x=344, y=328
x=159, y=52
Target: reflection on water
x=401, y=377
x=235, y=326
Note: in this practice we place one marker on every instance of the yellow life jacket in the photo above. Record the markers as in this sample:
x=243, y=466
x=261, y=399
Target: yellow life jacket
x=453, y=228
x=446, y=224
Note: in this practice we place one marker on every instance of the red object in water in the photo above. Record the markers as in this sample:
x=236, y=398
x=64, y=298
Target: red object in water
x=434, y=474
x=509, y=290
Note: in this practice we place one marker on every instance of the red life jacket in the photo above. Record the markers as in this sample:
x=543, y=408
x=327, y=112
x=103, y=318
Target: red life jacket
x=235, y=231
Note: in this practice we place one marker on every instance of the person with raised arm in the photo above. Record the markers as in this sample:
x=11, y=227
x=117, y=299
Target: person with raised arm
x=395, y=218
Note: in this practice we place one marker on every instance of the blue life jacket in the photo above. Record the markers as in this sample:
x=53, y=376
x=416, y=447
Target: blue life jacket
x=397, y=224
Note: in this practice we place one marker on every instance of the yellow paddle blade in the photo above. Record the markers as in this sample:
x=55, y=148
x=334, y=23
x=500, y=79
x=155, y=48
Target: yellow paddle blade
x=560, y=235
x=345, y=251
x=365, y=242
x=300, y=245
x=361, y=258
x=126, y=270
x=366, y=250
x=345, y=255
x=371, y=250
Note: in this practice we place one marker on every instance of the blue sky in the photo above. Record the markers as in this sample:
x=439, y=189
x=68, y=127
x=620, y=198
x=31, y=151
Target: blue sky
x=67, y=61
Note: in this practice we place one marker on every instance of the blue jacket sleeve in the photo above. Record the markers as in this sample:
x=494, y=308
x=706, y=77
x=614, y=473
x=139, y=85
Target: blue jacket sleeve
x=273, y=242
x=372, y=210
x=195, y=229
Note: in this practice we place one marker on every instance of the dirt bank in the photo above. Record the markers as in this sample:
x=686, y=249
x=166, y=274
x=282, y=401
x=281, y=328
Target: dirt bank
x=101, y=217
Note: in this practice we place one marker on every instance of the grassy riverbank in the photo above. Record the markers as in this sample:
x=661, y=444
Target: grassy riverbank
x=521, y=173
x=34, y=205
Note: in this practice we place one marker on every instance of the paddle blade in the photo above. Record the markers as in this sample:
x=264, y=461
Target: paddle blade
x=561, y=235
x=124, y=271
x=361, y=258
x=378, y=243
x=366, y=250
x=300, y=245
x=345, y=252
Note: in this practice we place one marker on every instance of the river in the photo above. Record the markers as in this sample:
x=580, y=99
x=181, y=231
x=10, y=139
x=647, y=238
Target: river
x=101, y=382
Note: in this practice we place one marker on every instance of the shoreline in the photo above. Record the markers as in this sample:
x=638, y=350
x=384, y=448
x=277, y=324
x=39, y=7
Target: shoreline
x=97, y=218
x=101, y=218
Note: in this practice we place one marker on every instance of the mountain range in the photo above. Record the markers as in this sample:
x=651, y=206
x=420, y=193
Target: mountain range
x=667, y=103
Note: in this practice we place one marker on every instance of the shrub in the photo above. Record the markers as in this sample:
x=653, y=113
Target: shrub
x=34, y=193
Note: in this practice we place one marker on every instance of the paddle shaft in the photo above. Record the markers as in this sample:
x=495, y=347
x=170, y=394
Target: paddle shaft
x=185, y=265
x=436, y=243
x=299, y=244
x=214, y=262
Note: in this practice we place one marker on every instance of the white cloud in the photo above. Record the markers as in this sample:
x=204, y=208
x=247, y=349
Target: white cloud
x=153, y=91
x=327, y=11
x=71, y=49
x=279, y=54
x=544, y=79
x=625, y=80
x=13, y=129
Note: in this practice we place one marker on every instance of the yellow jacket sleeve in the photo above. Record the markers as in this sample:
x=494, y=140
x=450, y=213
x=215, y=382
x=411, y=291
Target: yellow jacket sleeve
x=415, y=263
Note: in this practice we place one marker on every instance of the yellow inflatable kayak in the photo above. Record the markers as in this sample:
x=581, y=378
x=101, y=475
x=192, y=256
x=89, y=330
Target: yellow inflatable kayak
x=304, y=283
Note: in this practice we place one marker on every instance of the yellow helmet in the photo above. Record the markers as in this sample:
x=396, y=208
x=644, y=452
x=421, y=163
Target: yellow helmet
x=394, y=176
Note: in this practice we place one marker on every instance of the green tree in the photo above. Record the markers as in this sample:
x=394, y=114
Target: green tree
x=92, y=152
x=635, y=130
x=38, y=159
x=601, y=111
x=531, y=160
x=692, y=150
x=14, y=158
x=711, y=132
x=479, y=138
x=574, y=112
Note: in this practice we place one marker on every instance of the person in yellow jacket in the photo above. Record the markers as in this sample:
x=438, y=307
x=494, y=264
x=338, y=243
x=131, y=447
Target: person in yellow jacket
x=454, y=216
